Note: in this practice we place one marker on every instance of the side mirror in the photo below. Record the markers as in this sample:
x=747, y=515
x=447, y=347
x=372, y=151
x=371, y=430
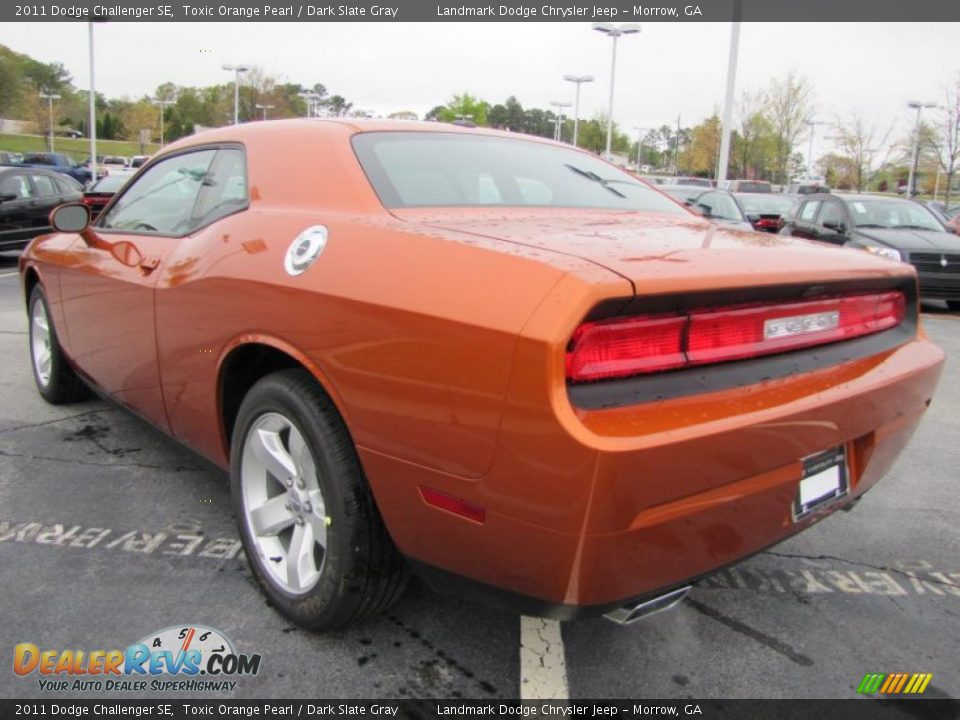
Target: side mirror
x=70, y=218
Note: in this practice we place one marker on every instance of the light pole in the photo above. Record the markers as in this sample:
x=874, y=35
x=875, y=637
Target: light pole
x=579, y=80
x=557, y=132
x=732, y=57
x=236, y=70
x=918, y=106
x=264, y=108
x=813, y=127
x=312, y=99
x=639, y=147
x=613, y=31
x=163, y=104
x=93, y=107
x=50, y=97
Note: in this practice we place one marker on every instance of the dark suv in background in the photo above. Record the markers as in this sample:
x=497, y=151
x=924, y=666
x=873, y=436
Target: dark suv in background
x=897, y=229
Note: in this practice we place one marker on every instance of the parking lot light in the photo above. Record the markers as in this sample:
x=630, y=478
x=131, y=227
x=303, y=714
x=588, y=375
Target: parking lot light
x=236, y=70
x=639, y=147
x=578, y=80
x=50, y=97
x=614, y=31
x=733, y=54
x=813, y=127
x=558, y=123
x=164, y=104
x=264, y=108
x=918, y=106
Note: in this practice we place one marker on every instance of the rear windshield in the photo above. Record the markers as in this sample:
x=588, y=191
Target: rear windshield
x=759, y=204
x=435, y=169
x=753, y=187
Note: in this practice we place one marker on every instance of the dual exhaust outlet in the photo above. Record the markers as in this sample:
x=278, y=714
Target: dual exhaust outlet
x=637, y=611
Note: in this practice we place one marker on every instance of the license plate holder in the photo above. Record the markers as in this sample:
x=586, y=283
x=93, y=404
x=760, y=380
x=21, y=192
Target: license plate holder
x=824, y=480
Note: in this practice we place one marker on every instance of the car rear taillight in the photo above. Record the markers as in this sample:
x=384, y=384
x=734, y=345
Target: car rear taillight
x=622, y=347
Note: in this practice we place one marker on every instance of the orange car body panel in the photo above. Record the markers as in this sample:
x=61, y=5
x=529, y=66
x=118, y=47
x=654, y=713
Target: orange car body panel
x=440, y=336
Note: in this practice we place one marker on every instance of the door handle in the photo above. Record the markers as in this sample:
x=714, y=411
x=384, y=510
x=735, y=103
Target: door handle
x=149, y=264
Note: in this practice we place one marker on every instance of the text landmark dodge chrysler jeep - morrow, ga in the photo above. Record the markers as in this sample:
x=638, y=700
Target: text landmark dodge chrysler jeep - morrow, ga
x=496, y=360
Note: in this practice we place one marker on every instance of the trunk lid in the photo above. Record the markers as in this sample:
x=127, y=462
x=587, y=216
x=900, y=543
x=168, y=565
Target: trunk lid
x=657, y=252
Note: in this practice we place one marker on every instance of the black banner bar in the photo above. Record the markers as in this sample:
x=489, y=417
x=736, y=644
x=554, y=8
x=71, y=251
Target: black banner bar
x=854, y=11
x=859, y=709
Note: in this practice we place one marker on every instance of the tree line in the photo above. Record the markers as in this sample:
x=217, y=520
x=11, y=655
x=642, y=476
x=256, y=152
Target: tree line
x=769, y=138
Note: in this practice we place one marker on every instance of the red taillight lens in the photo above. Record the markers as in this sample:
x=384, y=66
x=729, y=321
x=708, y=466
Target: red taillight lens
x=619, y=348
x=634, y=346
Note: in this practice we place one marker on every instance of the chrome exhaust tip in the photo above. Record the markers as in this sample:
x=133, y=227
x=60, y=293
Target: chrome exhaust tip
x=631, y=613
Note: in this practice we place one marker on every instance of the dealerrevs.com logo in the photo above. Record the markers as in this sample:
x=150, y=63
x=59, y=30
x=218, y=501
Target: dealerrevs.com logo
x=180, y=658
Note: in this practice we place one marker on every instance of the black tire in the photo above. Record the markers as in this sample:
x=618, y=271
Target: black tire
x=362, y=573
x=953, y=304
x=63, y=385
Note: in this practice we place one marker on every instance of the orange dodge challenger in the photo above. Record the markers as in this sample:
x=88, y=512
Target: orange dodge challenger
x=495, y=360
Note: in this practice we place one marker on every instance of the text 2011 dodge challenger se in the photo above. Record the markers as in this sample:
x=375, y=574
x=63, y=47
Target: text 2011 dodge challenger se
x=496, y=360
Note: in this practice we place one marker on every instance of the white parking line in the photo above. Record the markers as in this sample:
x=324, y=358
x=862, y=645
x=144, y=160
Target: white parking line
x=543, y=668
x=3, y=275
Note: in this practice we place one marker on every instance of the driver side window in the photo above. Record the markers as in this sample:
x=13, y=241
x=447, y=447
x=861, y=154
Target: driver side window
x=831, y=216
x=162, y=199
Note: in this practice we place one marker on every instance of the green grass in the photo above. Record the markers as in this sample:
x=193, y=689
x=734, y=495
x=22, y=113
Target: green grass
x=78, y=149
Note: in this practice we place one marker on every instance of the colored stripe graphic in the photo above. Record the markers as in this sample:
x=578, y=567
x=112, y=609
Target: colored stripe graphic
x=870, y=683
x=894, y=683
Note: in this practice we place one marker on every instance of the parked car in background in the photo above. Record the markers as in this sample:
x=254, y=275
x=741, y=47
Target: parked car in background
x=102, y=191
x=765, y=211
x=749, y=186
x=805, y=188
x=58, y=162
x=717, y=205
x=890, y=227
x=27, y=195
x=494, y=360
x=10, y=158
x=138, y=160
x=693, y=181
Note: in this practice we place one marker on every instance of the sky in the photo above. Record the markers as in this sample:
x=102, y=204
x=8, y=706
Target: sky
x=669, y=69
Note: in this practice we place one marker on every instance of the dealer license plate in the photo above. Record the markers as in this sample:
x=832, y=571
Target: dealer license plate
x=824, y=480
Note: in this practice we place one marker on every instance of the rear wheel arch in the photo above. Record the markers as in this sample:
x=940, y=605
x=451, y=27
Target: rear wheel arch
x=245, y=363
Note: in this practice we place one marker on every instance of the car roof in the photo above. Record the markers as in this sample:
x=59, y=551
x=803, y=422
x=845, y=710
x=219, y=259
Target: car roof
x=32, y=170
x=294, y=129
x=852, y=197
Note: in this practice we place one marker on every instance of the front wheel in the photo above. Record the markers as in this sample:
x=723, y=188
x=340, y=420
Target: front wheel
x=309, y=525
x=56, y=381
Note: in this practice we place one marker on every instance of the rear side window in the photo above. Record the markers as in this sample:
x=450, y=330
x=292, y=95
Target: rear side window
x=45, y=186
x=224, y=189
x=436, y=169
x=832, y=213
x=16, y=185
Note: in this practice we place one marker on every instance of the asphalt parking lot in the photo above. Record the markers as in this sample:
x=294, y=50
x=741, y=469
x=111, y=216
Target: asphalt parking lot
x=110, y=531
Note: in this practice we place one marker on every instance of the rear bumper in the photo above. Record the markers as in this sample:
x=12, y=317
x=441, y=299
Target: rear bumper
x=587, y=510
